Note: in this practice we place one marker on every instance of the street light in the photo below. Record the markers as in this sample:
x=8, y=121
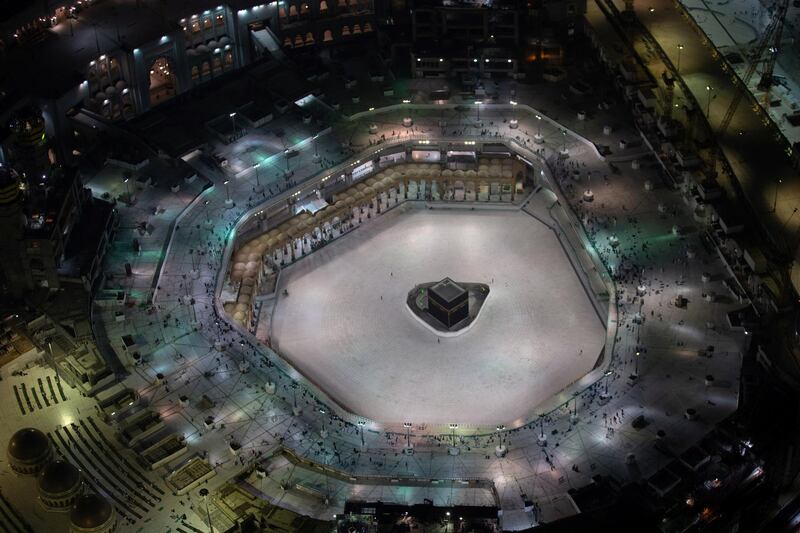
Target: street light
x=775, y=199
x=233, y=123
x=478, y=107
x=709, y=90
x=227, y=190
x=258, y=184
x=680, y=48
x=204, y=494
x=127, y=188
x=316, y=152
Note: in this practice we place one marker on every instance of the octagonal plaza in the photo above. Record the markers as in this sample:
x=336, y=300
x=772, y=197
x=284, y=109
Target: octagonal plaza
x=345, y=325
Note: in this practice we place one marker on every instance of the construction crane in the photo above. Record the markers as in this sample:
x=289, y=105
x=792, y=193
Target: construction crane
x=771, y=35
x=769, y=65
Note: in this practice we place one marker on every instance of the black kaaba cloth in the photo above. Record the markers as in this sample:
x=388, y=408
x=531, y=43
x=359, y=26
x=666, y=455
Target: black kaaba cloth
x=448, y=302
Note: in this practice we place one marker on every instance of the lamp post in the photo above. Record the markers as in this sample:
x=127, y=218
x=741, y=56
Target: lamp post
x=680, y=49
x=204, y=494
x=478, y=108
x=538, y=135
x=258, y=187
x=709, y=90
x=500, y=450
x=316, y=147
x=127, y=188
x=228, y=201
x=786, y=223
x=233, y=123
x=775, y=197
x=514, y=121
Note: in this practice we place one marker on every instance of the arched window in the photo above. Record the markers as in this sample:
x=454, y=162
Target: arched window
x=327, y=36
x=367, y=27
x=195, y=26
x=282, y=12
x=287, y=42
x=292, y=10
x=228, y=59
x=356, y=29
x=309, y=38
x=323, y=6
x=342, y=3
x=220, y=19
x=195, y=72
x=217, y=64
x=304, y=9
x=207, y=23
x=298, y=41
x=205, y=69
x=345, y=31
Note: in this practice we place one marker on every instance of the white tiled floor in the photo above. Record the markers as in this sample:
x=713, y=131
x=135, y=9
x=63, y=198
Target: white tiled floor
x=346, y=325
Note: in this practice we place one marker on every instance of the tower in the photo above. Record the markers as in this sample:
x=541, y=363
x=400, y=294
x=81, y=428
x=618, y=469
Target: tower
x=30, y=154
x=12, y=228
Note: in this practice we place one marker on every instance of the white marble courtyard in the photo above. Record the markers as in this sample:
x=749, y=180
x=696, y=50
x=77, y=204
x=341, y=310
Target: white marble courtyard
x=346, y=326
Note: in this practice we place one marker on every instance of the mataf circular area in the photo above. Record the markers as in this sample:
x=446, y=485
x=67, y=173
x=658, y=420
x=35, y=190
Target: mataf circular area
x=344, y=323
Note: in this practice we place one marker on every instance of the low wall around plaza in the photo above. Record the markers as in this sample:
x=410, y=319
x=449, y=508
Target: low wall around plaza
x=584, y=259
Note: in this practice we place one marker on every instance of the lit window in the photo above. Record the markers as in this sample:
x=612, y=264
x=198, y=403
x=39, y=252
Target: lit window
x=345, y=30
x=327, y=36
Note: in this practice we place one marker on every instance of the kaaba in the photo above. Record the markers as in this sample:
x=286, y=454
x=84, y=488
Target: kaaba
x=448, y=302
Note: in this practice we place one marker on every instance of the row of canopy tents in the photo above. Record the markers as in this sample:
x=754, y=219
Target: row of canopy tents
x=247, y=262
